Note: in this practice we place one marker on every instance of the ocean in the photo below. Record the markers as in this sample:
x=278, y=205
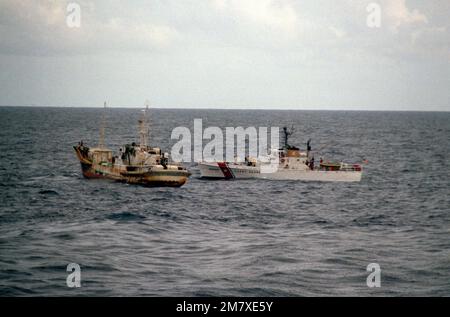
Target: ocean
x=226, y=238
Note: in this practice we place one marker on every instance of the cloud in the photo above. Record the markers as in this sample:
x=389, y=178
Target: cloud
x=338, y=32
x=399, y=14
x=432, y=40
x=39, y=28
x=134, y=35
x=278, y=15
x=225, y=51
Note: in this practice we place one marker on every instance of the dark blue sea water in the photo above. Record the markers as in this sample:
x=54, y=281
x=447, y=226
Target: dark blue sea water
x=238, y=238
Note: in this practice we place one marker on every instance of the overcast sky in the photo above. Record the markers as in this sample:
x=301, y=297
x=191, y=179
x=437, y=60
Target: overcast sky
x=280, y=54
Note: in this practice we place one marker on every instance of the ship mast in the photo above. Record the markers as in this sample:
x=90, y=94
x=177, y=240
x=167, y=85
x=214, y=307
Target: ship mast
x=287, y=133
x=143, y=128
x=101, y=143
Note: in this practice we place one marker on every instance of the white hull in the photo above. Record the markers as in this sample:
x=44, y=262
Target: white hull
x=233, y=171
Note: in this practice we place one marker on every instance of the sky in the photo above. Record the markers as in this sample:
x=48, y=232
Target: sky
x=245, y=54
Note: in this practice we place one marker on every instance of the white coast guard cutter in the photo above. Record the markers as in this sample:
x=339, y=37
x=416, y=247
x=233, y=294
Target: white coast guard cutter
x=288, y=163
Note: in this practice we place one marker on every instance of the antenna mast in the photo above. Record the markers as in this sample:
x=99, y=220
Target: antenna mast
x=287, y=134
x=143, y=128
x=102, y=128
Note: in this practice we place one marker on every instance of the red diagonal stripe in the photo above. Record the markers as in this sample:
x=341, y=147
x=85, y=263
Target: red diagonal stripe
x=225, y=170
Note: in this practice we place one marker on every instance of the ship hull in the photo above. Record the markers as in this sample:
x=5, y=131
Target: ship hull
x=159, y=178
x=232, y=171
x=227, y=171
x=315, y=176
x=151, y=177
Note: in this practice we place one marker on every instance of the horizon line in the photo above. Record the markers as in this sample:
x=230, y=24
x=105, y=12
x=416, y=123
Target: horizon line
x=229, y=108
